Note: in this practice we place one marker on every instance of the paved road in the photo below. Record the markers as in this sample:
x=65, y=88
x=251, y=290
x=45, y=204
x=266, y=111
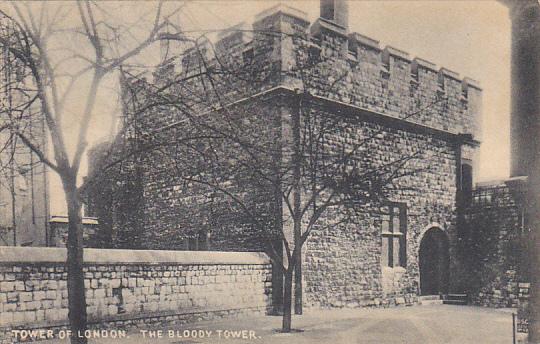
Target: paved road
x=416, y=325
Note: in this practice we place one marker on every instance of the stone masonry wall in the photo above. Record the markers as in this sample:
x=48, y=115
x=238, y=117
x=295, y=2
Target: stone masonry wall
x=175, y=208
x=343, y=265
x=130, y=288
x=496, y=251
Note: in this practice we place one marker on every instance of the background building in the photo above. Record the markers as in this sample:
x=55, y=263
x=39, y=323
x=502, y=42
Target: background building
x=23, y=179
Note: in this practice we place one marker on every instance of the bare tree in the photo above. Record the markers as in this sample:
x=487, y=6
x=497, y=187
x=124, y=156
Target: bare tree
x=66, y=50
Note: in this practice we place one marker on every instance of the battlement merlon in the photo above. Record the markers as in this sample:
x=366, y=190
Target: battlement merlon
x=381, y=77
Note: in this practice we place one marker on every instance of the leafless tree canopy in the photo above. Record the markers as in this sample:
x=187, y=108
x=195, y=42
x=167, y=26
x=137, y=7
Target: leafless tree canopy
x=61, y=58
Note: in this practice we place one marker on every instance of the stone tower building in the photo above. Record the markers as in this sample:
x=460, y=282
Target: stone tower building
x=23, y=179
x=407, y=127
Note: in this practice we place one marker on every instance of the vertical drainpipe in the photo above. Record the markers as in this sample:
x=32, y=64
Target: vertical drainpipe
x=460, y=235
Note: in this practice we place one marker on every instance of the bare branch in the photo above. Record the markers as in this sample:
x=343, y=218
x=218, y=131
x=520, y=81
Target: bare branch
x=41, y=155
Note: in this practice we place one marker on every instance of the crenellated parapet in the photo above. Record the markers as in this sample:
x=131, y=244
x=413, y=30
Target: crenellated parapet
x=282, y=48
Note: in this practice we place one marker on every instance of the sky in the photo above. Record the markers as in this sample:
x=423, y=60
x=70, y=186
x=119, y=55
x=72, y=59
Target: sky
x=469, y=37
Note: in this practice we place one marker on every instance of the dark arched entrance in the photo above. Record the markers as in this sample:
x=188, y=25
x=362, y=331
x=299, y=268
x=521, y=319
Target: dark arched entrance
x=434, y=262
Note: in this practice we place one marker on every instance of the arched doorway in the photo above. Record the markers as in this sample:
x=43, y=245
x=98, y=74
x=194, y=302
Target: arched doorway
x=434, y=260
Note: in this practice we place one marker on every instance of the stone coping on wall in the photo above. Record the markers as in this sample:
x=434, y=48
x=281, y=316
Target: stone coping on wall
x=389, y=50
x=322, y=24
x=424, y=63
x=15, y=255
x=64, y=219
x=473, y=83
x=355, y=37
x=450, y=73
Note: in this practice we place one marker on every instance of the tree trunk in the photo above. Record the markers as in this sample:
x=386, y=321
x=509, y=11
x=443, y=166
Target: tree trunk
x=277, y=282
x=75, y=283
x=298, y=278
x=287, y=300
x=297, y=217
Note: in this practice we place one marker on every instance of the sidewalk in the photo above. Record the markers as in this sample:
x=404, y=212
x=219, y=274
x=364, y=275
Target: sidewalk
x=418, y=325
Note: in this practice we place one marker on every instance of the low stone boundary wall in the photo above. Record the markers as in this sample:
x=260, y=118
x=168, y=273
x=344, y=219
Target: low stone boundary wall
x=129, y=287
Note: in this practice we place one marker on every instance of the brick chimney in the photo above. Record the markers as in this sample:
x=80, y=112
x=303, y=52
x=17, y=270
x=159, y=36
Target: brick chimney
x=336, y=11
